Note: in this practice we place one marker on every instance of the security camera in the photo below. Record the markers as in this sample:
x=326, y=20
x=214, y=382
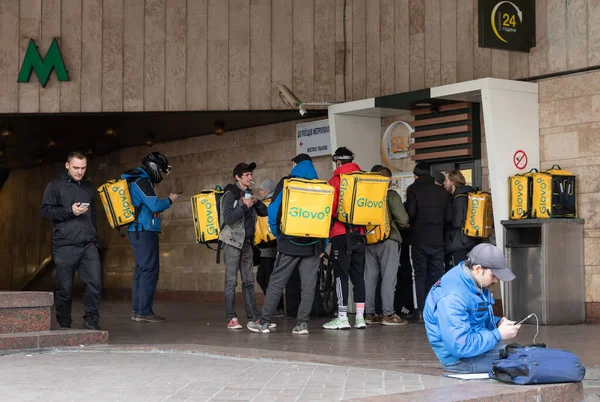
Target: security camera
x=288, y=96
x=303, y=111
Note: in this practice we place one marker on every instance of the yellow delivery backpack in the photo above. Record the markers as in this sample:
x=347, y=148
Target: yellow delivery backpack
x=554, y=194
x=363, y=198
x=205, y=212
x=521, y=187
x=479, y=221
x=377, y=234
x=306, y=208
x=263, y=237
x=116, y=200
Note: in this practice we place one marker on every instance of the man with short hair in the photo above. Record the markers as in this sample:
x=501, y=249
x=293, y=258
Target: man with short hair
x=70, y=203
x=428, y=208
x=382, y=259
x=239, y=209
x=347, y=254
x=143, y=233
x=459, y=319
x=293, y=253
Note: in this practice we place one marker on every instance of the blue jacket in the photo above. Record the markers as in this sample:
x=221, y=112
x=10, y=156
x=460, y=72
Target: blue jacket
x=144, y=199
x=459, y=319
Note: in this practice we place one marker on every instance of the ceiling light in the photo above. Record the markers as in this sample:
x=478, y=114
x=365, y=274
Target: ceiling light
x=219, y=128
x=423, y=104
x=39, y=159
x=1, y=153
x=89, y=152
x=51, y=143
x=149, y=140
x=5, y=133
x=111, y=132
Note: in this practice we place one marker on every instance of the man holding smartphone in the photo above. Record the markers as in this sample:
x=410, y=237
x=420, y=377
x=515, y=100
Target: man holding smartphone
x=238, y=224
x=460, y=322
x=69, y=202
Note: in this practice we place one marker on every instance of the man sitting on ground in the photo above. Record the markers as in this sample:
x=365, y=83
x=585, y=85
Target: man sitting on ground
x=460, y=323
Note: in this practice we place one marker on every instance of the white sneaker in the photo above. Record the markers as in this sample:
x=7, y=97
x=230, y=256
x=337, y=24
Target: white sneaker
x=337, y=323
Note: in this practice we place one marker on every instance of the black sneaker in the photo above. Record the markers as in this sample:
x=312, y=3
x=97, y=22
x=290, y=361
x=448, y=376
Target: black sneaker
x=64, y=325
x=91, y=325
x=416, y=317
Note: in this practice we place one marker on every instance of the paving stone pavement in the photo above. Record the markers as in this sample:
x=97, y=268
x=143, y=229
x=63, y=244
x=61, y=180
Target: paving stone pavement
x=130, y=376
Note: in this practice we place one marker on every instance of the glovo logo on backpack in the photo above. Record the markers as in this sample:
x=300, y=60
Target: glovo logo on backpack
x=117, y=204
x=362, y=198
x=306, y=208
x=479, y=220
x=542, y=195
x=205, y=212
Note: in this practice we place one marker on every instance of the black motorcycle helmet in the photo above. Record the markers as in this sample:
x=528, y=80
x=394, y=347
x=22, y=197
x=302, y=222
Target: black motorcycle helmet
x=154, y=163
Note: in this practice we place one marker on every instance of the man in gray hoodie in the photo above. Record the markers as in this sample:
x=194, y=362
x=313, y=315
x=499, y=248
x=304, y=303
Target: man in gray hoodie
x=238, y=224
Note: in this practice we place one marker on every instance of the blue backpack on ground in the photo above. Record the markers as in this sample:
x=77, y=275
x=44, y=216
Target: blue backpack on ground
x=536, y=364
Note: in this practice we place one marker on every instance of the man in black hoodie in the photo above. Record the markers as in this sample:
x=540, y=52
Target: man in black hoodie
x=69, y=202
x=428, y=208
x=457, y=245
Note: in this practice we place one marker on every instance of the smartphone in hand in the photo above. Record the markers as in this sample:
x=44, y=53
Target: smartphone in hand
x=84, y=204
x=524, y=319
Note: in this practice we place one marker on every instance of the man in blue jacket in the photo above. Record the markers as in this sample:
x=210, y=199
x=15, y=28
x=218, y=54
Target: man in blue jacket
x=143, y=232
x=292, y=252
x=460, y=323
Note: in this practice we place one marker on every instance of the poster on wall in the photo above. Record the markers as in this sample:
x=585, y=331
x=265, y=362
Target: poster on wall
x=313, y=138
x=507, y=25
x=401, y=181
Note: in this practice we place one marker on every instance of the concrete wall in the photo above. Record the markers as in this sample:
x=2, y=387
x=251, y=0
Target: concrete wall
x=198, y=163
x=156, y=55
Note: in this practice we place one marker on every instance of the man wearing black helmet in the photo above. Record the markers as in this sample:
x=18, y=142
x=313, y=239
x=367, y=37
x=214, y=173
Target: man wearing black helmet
x=143, y=232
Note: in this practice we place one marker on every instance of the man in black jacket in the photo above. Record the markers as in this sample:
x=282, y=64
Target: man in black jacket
x=428, y=208
x=69, y=202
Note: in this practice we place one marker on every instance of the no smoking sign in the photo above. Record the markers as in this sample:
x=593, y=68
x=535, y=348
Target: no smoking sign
x=520, y=160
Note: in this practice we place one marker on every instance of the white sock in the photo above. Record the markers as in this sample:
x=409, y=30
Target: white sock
x=360, y=309
x=343, y=312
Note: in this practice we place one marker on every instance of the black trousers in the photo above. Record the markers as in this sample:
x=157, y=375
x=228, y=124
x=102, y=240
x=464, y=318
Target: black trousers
x=404, y=287
x=428, y=264
x=455, y=257
x=349, y=264
x=86, y=261
x=263, y=275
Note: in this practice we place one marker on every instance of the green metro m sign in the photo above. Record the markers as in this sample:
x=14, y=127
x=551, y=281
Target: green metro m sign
x=43, y=67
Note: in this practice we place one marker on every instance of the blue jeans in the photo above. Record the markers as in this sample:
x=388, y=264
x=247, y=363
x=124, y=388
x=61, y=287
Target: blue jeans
x=145, y=276
x=477, y=364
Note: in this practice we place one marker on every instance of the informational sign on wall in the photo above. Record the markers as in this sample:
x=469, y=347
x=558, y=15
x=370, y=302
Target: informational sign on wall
x=508, y=25
x=401, y=181
x=313, y=138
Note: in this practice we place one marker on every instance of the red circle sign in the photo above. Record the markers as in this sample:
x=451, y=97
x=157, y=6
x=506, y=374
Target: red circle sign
x=520, y=160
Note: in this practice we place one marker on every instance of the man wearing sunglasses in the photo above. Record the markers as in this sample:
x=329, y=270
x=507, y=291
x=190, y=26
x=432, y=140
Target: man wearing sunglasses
x=143, y=232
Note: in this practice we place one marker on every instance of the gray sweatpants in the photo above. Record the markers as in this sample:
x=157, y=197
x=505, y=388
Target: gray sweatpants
x=239, y=260
x=284, y=266
x=381, y=258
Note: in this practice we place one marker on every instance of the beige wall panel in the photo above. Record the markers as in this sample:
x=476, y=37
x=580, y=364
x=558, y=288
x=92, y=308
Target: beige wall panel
x=50, y=95
x=538, y=56
x=70, y=47
x=359, y=49
x=402, y=45
x=175, y=55
x=10, y=60
x=154, y=55
x=518, y=65
x=29, y=28
x=500, y=64
x=197, y=55
x=432, y=43
x=417, y=44
x=557, y=35
x=387, y=46
x=260, y=54
x=303, y=49
x=281, y=49
x=593, y=31
x=324, y=89
x=448, y=42
x=218, y=54
x=343, y=81
x=112, y=55
x=464, y=39
x=373, y=30
x=577, y=34
x=133, y=55
x=91, y=56
x=482, y=57
x=239, y=54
